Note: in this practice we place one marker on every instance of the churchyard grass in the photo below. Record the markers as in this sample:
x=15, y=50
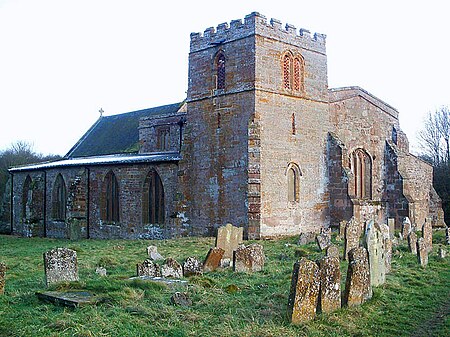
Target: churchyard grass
x=413, y=301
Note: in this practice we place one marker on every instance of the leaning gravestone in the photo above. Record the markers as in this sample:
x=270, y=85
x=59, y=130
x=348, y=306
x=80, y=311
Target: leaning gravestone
x=304, y=293
x=324, y=238
x=229, y=238
x=249, y=258
x=353, y=233
x=406, y=228
x=387, y=244
x=330, y=284
x=391, y=225
x=171, y=269
x=427, y=234
x=412, y=243
x=192, y=266
x=357, y=285
x=147, y=268
x=375, y=248
x=333, y=251
x=152, y=252
x=212, y=260
x=60, y=265
x=2, y=278
x=422, y=252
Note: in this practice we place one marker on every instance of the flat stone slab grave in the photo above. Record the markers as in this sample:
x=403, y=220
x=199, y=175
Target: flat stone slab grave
x=168, y=281
x=68, y=298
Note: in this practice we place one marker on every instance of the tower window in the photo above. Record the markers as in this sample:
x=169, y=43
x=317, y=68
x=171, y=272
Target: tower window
x=220, y=66
x=293, y=72
x=287, y=71
x=163, y=139
x=293, y=174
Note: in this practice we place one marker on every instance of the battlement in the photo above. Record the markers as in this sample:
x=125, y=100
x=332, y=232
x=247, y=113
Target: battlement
x=256, y=24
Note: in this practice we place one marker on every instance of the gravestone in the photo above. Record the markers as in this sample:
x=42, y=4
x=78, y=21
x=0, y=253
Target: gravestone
x=304, y=293
x=147, y=268
x=341, y=233
x=60, y=265
x=353, y=233
x=427, y=234
x=391, y=225
x=388, y=255
x=375, y=249
x=249, y=258
x=2, y=278
x=68, y=298
x=212, y=260
x=152, y=252
x=192, y=266
x=171, y=269
x=181, y=298
x=442, y=252
x=406, y=228
x=447, y=235
x=100, y=271
x=412, y=243
x=324, y=238
x=229, y=238
x=385, y=232
x=422, y=252
x=306, y=238
x=357, y=285
x=333, y=251
x=330, y=284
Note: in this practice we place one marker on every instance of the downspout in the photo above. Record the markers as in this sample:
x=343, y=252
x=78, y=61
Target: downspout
x=45, y=204
x=11, y=205
x=88, y=201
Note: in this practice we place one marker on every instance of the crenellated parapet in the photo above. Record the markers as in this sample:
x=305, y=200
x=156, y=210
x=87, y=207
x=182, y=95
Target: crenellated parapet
x=257, y=24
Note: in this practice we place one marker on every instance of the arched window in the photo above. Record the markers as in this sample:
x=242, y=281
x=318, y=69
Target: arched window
x=220, y=66
x=111, y=198
x=59, y=198
x=293, y=174
x=362, y=172
x=26, y=197
x=153, y=199
x=298, y=74
x=287, y=71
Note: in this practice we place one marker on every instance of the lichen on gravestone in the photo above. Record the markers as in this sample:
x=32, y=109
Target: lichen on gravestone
x=192, y=266
x=2, y=277
x=427, y=234
x=422, y=252
x=353, y=232
x=171, y=269
x=229, y=238
x=213, y=258
x=412, y=243
x=357, y=285
x=148, y=268
x=330, y=284
x=249, y=258
x=60, y=265
x=153, y=254
x=375, y=249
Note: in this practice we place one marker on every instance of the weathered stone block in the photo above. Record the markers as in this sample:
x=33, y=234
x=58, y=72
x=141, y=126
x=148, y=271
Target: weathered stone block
x=212, y=260
x=422, y=252
x=171, y=269
x=412, y=243
x=357, y=285
x=249, y=258
x=60, y=265
x=192, y=266
x=330, y=284
x=304, y=293
x=148, y=268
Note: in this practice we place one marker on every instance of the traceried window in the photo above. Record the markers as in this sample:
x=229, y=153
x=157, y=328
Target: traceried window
x=220, y=68
x=153, y=199
x=111, y=198
x=292, y=72
x=59, y=197
x=362, y=172
x=293, y=182
x=287, y=71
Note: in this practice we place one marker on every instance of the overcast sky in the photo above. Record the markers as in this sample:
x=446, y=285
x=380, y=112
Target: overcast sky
x=61, y=61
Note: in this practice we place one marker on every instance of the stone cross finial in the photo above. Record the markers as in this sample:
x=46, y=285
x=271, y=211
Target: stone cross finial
x=101, y=112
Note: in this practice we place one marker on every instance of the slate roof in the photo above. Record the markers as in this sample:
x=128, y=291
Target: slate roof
x=116, y=134
x=102, y=160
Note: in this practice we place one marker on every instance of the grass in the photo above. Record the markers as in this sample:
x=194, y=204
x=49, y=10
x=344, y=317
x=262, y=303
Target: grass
x=413, y=302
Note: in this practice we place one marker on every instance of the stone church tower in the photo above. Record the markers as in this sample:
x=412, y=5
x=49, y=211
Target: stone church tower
x=257, y=123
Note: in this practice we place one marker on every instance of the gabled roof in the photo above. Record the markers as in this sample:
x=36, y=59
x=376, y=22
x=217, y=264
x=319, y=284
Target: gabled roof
x=116, y=134
x=344, y=93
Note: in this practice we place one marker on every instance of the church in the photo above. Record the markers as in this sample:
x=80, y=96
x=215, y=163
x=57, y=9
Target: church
x=260, y=141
